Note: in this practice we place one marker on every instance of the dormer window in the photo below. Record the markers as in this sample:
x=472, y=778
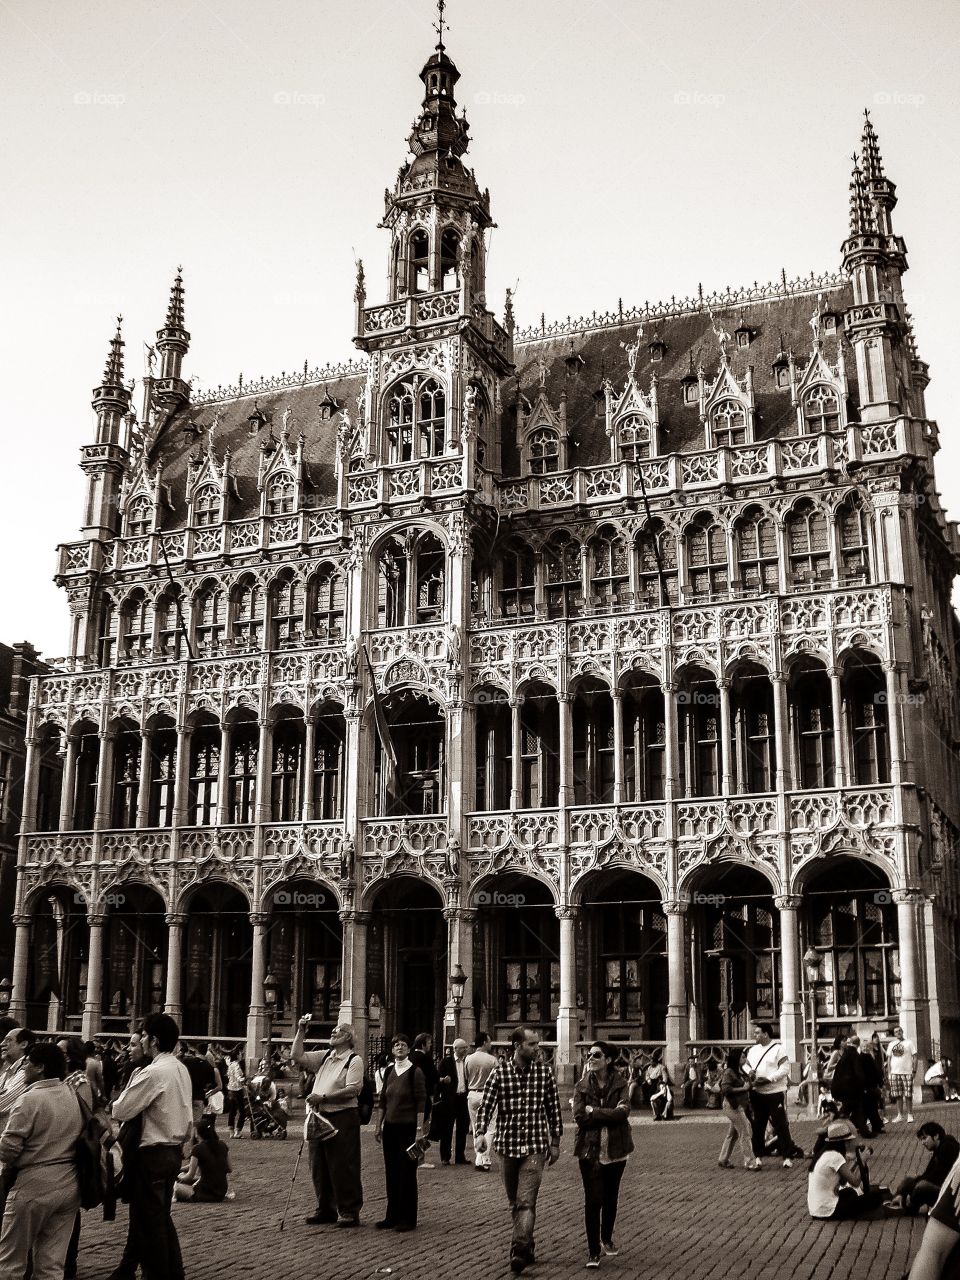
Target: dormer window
x=328, y=407
x=729, y=424
x=633, y=439
x=828, y=322
x=139, y=516
x=691, y=389
x=543, y=451
x=419, y=262
x=573, y=363
x=781, y=374
x=257, y=420
x=206, y=506
x=449, y=252
x=821, y=410
x=657, y=349
x=280, y=495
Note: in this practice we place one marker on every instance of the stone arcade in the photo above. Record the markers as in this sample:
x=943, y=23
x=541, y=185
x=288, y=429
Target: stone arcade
x=657, y=608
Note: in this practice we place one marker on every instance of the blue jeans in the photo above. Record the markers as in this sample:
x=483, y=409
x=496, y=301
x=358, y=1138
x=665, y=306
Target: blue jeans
x=521, y=1181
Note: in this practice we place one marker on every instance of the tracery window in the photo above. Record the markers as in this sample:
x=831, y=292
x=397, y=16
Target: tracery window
x=126, y=779
x=563, y=577
x=811, y=706
x=707, y=566
x=518, y=593
x=821, y=409
x=248, y=613
x=285, y=771
x=170, y=623
x=699, y=723
x=281, y=493
x=539, y=745
x=204, y=774
x=644, y=744
x=326, y=604
x=430, y=560
x=206, y=506
x=242, y=796
x=208, y=613
x=419, y=262
x=287, y=605
x=729, y=423
x=657, y=566
x=392, y=581
x=865, y=695
x=137, y=627
x=757, y=557
x=139, y=516
x=593, y=748
x=449, y=251
x=416, y=420
x=329, y=741
x=163, y=769
x=808, y=545
x=411, y=580
x=610, y=578
x=634, y=439
x=856, y=939
x=852, y=521
x=543, y=452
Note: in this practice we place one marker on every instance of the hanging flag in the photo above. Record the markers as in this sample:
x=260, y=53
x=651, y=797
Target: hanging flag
x=388, y=752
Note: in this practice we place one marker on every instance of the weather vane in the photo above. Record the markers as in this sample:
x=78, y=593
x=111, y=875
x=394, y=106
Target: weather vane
x=439, y=24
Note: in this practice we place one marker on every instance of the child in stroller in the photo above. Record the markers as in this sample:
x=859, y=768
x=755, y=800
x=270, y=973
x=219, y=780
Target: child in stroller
x=268, y=1111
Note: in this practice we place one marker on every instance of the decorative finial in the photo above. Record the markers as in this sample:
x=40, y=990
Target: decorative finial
x=439, y=24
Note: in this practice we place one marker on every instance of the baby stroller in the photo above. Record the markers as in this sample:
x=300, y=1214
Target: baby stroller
x=268, y=1117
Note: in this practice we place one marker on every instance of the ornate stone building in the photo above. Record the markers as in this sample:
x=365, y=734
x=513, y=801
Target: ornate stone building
x=611, y=660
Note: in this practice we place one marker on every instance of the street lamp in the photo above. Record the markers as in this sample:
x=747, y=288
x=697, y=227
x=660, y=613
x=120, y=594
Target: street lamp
x=811, y=963
x=458, y=982
x=5, y=994
x=271, y=1000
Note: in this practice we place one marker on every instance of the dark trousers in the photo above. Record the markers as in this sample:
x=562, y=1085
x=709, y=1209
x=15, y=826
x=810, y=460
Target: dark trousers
x=236, y=1109
x=852, y=1106
x=769, y=1107
x=73, y=1250
x=601, y=1192
x=335, y=1167
x=917, y=1191
x=850, y=1205
x=454, y=1113
x=400, y=1173
x=151, y=1225
x=872, y=1109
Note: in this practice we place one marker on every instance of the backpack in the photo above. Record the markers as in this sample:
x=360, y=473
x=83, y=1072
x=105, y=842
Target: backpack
x=94, y=1164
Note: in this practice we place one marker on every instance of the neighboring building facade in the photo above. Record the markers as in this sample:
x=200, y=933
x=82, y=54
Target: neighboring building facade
x=657, y=607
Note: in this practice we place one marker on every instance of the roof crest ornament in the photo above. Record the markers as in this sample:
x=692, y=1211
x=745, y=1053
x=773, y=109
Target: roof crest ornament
x=439, y=24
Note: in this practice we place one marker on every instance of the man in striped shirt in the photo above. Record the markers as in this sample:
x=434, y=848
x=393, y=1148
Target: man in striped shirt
x=529, y=1127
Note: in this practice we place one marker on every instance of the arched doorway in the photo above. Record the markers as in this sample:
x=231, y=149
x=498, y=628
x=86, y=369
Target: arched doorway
x=735, y=947
x=217, y=962
x=134, y=957
x=57, y=966
x=413, y=783
x=406, y=965
x=305, y=954
x=517, y=956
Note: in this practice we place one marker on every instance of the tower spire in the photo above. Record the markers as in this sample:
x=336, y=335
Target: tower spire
x=173, y=341
x=862, y=221
x=439, y=25
x=870, y=148
x=113, y=370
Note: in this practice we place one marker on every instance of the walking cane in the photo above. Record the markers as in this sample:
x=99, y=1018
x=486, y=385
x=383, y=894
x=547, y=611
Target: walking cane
x=292, y=1181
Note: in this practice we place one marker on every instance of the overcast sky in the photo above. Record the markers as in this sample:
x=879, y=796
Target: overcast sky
x=631, y=149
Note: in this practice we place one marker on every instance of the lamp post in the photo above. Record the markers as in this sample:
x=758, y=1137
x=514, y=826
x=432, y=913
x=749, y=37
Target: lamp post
x=5, y=993
x=811, y=963
x=458, y=982
x=271, y=998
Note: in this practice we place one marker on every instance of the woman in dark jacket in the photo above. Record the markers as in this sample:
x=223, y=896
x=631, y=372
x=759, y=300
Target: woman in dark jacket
x=601, y=1110
x=735, y=1091
x=400, y=1122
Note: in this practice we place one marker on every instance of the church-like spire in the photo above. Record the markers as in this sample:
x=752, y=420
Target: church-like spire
x=111, y=399
x=113, y=370
x=862, y=220
x=870, y=150
x=173, y=341
x=175, y=306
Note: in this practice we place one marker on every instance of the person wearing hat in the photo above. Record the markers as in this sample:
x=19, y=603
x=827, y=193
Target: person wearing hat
x=837, y=1188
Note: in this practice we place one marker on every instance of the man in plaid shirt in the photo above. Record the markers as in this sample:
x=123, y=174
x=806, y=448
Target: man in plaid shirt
x=528, y=1134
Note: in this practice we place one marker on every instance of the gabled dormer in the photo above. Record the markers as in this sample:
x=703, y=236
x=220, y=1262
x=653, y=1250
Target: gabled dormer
x=141, y=497
x=633, y=422
x=282, y=477
x=209, y=486
x=542, y=433
x=727, y=407
x=820, y=394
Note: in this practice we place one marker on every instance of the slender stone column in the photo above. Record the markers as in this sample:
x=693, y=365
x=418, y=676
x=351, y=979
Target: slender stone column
x=839, y=736
x=104, y=779
x=913, y=1008
x=726, y=740
x=91, y=1010
x=791, y=1010
x=173, y=997
x=460, y=951
x=31, y=785
x=21, y=965
x=353, y=989
x=617, y=697
x=516, y=735
x=781, y=730
x=671, y=780
x=143, y=789
x=568, y=1020
x=181, y=794
x=257, y=1017
x=223, y=782
x=306, y=771
x=895, y=722
x=262, y=809
x=566, y=792
x=678, y=1013
x=68, y=794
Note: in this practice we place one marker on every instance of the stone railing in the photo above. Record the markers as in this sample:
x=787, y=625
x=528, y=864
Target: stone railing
x=405, y=481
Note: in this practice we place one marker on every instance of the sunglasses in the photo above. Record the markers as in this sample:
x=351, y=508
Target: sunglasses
x=595, y=1054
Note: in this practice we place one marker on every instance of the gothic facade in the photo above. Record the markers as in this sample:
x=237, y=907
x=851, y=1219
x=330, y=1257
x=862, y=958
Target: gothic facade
x=612, y=661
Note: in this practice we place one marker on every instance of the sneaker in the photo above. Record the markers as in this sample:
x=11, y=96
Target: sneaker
x=896, y=1119
x=231, y=1195
x=788, y=1163
x=757, y=1164
x=754, y=1167
x=909, y=1119
x=609, y=1248
x=593, y=1261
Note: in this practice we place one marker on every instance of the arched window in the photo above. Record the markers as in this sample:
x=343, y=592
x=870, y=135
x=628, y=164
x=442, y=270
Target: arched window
x=430, y=572
x=757, y=559
x=518, y=593
x=206, y=506
x=808, y=545
x=707, y=566
x=821, y=409
x=326, y=605
x=865, y=697
x=811, y=711
x=205, y=745
x=242, y=797
x=852, y=522
x=419, y=262
x=281, y=492
x=539, y=748
x=163, y=772
x=248, y=613
x=288, y=735
x=126, y=778
x=170, y=623
x=593, y=751
x=633, y=439
x=139, y=516
x=610, y=577
x=699, y=731
x=137, y=627
x=88, y=769
x=286, y=610
x=543, y=452
x=754, y=741
x=105, y=637
x=728, y=422
x=407, y=439
x=329, y=741
x=563, y=576
x=657, y=566
x=392, y=583
x=644, y=741
x=493, y=749
x=449, y=249
x=208, y=618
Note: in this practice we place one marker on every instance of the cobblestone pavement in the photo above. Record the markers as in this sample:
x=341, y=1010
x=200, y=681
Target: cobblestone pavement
x=680, y=1216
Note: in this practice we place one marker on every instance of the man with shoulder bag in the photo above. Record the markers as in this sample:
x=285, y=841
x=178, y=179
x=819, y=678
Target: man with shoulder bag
x=768, y=1072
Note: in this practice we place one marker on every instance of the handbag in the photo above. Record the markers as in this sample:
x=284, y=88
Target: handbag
x=214, y=1103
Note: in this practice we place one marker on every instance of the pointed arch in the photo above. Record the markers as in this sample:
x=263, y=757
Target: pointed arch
x=757, y=547
x=707, y=562
x=808, y=545
x=563, y=576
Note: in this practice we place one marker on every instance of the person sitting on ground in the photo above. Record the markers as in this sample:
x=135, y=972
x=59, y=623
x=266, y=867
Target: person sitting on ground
x=205, y=1178
x=914, y=1194
x=661, y=1096
x=941, y=1236
x=937, y=1078
x=829, y=1111
x=691, y=1081
x=838, y=1188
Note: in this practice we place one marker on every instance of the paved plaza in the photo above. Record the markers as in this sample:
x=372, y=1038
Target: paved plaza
x=680, y=1216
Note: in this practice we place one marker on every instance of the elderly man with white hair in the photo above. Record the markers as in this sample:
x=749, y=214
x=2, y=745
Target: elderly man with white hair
x=453, y=1088
x=335, y=1161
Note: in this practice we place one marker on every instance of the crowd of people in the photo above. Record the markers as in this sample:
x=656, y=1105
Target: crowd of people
x=152, y=1107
